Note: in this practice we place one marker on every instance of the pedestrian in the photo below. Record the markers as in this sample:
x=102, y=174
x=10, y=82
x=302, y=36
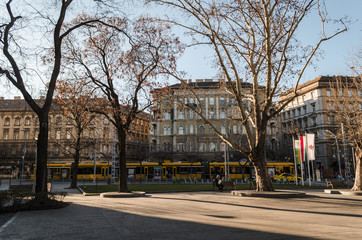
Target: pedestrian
x=218, y=183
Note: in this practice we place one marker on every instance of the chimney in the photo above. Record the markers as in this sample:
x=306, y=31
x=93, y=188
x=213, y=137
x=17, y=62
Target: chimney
x=17, y=98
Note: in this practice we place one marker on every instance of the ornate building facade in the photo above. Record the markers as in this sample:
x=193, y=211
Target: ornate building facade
x=19, y=130
x=313, y=111
x=178, y=134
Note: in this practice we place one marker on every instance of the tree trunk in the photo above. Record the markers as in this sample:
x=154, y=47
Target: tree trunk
x=122, y=178
x=42, y=155
x=358, y=176
x=75, y=165
x=263, y=181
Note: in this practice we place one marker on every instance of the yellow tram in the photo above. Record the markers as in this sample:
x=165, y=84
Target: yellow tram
x=165, y=170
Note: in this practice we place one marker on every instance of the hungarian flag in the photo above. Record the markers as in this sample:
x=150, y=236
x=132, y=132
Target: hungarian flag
x=297, y=151
x=302, y=147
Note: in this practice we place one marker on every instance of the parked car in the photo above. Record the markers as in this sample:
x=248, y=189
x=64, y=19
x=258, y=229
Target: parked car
x=287, y=176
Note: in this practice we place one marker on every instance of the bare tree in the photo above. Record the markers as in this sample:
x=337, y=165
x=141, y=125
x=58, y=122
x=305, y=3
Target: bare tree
x=345, y=107
x=123, y=60
x=74, y=99
x=254, y=42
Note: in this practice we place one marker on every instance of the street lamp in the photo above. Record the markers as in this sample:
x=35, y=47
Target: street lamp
x=24, y=152
x=339, y=160
x=36, y=162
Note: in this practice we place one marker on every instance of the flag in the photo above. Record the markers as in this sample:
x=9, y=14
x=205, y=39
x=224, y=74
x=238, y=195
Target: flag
x=311, y=146
x=297, y=151
x=302, y=148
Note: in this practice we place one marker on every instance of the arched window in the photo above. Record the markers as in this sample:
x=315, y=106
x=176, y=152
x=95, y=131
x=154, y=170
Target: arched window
x=180, y=115
x=222, y=114
x=212, y=114
x=27, y=121
x=235, y=129
x=222, y=101
x=7, y=121
x=17, y=121
x=212, y=101
x=202, y=129
x=223, y=129
x=181, y=130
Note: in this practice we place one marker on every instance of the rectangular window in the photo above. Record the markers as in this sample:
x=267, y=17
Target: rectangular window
x=16, y=134
x=340, y=93
x=69, y=133
x=314, y=121
x=6, y=134
x=233, y=102
x=167, y=116
x=57, y=134
x=329, y=93
x=350, y=93
x=341, y=106
x=313, y=107
x=212, y=101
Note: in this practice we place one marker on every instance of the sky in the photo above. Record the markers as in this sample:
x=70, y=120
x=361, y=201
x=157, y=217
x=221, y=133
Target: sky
x=196, y=62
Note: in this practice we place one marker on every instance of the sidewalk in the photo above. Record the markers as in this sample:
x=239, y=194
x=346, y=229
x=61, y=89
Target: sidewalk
x=197, y=215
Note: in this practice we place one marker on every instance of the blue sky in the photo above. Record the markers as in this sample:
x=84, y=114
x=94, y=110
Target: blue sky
x=197, y=61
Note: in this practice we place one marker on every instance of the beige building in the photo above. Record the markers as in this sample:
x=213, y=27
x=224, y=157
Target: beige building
x=19, y=128
x=178, y=134
x=312, y=112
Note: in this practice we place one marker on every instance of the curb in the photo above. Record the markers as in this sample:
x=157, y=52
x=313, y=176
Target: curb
x=276, y=194
x=343, y=192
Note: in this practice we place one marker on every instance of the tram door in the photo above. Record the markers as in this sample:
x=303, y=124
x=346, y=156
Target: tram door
x=145, y=172
x=157, y=173
x=64, y=173
x=174, y=171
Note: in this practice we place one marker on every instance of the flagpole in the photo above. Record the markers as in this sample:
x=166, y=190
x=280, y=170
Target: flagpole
x=302, y=158
x=306, y=156
x=295, y=164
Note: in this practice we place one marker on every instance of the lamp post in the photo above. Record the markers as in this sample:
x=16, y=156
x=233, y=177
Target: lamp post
x=339, y=160
x=24, y=152
x=36, y=162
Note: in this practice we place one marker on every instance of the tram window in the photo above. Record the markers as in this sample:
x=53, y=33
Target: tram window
x=85, y=170
x=199, y=169
x=184, y=170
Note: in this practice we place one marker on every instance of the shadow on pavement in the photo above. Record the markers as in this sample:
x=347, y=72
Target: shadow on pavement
x=85, y=222
x=268, y=208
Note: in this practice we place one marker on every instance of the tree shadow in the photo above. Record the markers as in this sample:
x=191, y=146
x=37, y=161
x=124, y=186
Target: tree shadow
x=268, y=208
x=86, y=222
